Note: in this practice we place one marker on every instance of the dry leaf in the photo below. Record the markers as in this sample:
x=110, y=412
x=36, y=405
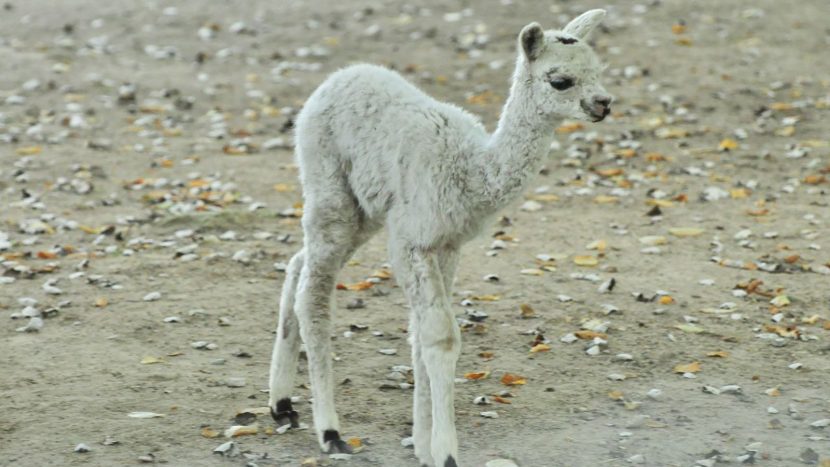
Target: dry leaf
x=532, y=272
x=363, y=285
x=501, y=400
x=570, y=127
x=586, y=260
x=666, y=300
x=28, y=150
x=718, y=354
x=616, y=395
x=540, y=348
x=475, y=376
x=510, y=379
x=354, y=442
x=150, y=360
x=693, y=367
x=604, y=199
x=486, y=298
x=682, y=232
x=590, y=335
x=728, y=145
x=208, y=432
x=101, y=302
x=527, y=311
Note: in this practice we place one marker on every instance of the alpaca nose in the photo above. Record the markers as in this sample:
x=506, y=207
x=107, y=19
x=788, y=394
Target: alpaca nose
x=602, y=100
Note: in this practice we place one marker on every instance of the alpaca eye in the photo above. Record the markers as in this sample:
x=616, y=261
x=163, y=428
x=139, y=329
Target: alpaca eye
x=561, y=83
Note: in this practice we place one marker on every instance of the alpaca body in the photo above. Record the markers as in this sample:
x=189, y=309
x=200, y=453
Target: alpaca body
x=399, y=152
x=375, y=150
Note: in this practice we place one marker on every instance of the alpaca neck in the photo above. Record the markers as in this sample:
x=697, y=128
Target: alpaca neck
x=515, y=151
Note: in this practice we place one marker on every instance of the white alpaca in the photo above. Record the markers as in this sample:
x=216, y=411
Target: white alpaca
x=373, y=149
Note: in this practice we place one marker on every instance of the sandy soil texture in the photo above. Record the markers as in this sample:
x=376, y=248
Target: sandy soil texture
x=148, y=200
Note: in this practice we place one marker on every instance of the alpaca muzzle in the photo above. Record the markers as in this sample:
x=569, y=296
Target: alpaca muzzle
x=597, y=108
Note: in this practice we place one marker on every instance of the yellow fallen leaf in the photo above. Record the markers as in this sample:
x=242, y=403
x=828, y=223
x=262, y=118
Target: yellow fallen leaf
x=527, y=311
x=605, y=199
x=476, y=375
x=739, y=193
x=570, y=127
x=663, y=203
x=363, y=285
x=101, y=302
x=486, y=298
x=666, y=300
x=241, y=430
x=383, y=274
x=728, y=145
x=532, y=272
x=540, y=348
x=586, y=260
x=354, y=442
x=150, y=360
x=785, y=131
x=773, y=392
x=510, y=379
x=90, y=230
x=693, y=367
x=28, y=150
x=718, y=354
x=780, y=301
x=682, y=232
x=600, y=245
x=616, y=395
x=544, y=197
x=208, y=432
x=283, y=187
x=781, y=106
x=590, y=335
x=678, y=28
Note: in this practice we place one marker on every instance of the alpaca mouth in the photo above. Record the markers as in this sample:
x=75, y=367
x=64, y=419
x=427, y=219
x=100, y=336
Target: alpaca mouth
x=600, y=116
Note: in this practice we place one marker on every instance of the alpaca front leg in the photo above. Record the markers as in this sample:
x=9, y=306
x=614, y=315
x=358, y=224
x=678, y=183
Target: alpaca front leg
x=314, y=297
x=286, y=350
x=441, y=345
x=421, y=407
x=439, y=342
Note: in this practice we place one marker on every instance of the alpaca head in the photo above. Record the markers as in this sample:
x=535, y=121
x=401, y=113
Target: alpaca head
x=562, y=71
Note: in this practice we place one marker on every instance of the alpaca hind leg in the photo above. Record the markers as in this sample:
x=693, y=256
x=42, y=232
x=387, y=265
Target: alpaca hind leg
x=333, y=233
x=286, y=349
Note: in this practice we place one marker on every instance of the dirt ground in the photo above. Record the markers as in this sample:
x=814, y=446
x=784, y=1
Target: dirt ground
x=134, y=135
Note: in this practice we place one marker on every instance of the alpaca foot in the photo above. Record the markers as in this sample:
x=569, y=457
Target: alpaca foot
x=284, y=414
x=333, y=444
x=450, y=462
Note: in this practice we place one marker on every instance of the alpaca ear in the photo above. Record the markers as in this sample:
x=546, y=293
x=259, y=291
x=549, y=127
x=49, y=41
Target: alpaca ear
x=532, y=40
x=582, y=25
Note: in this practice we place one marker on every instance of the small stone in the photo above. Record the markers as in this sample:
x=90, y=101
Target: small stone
x=637, y=459
x=228, y=449
x=490, y=414
x=81, y=447
x=654, y=393
x=407, y=442
x=809, y=456
x=500, y=463
x=152, y=296
x=388, y=351
x=236, y=382
x=35, y=324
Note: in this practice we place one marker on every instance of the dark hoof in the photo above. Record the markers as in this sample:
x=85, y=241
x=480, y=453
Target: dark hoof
x=335, y=444
x=450, y=462
x=284, y=414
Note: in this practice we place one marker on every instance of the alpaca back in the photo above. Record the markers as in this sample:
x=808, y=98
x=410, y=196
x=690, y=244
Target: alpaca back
x=372, y=131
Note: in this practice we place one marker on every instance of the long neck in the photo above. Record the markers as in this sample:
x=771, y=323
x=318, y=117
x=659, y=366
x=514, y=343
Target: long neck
x=515, y=151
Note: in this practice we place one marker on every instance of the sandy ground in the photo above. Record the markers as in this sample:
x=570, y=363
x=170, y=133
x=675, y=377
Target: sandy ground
x=721, y=124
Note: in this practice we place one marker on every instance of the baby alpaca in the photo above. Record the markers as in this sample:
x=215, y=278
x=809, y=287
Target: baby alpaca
x=373, y=149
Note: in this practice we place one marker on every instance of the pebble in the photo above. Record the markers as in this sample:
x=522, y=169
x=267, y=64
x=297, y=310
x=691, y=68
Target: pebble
x=500, y=463
x=152, y=296
x=35, y=324
x=228, y=449
x=81, y=447
x=236, y=382
x=489, y=414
